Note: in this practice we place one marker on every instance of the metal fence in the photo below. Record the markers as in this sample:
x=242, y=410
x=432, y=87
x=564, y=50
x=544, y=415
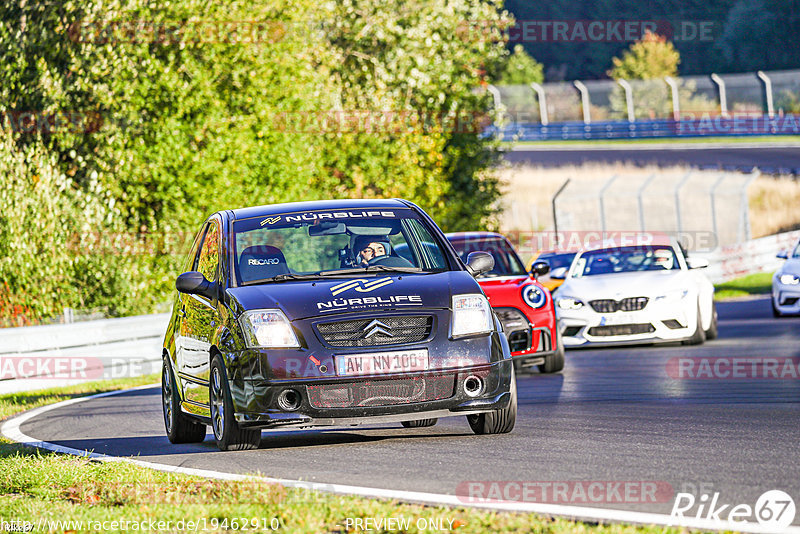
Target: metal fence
x=704, y=210
x=728, y=104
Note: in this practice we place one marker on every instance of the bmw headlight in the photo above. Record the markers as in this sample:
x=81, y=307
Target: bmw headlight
x=267, y=329
x=789, y=279
x=534, y=296
x=471, y=315
x=569, y=303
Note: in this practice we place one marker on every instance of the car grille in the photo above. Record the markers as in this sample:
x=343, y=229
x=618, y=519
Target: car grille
x=376, y=332
x=516, y=328
x=382, y=392
x=611, y=306
x=621, y=329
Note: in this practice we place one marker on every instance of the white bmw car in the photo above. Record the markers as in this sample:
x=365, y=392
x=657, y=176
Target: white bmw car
x=646, y=292
x=786, y=284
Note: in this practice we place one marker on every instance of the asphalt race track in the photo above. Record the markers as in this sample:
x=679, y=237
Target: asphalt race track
x=613, y=415
x=768, y=158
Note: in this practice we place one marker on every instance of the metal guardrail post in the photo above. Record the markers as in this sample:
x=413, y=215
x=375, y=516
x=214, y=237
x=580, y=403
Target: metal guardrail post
x=602, y=205
x=540, y=96
x=712, y=194
x=628, y=98
x=497, y=103
x=767, y=92
x=678, y=200
x=585, y=102
x=639, y=194
x=723, y=95
x=676, y=105
x=555, y=216
x=744, y=226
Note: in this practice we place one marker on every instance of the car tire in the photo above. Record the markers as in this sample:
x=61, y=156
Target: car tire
x=712, y=331
x=180, y=429
x=497, y=421
x=419, y=423
x=555, y=362
x=775, y=311
x=227, y=432
x=699, y=336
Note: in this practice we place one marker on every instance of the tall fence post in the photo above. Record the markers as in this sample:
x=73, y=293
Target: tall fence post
x=585, y=102
x=497, y=103
x=721, y=93
x=628, y=99
x=767, y=92
x=744, y=205
x=639, y=195
x=712, y=195
x=602, y=204
x=676, y=105
x=555, y=215
x=678, y=200
x=539, y=90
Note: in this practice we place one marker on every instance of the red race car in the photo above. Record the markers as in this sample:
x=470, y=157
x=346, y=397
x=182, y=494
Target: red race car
x=522, y=304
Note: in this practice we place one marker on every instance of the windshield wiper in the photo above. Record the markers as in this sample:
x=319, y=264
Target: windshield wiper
x=283, y=278
x=371, y=268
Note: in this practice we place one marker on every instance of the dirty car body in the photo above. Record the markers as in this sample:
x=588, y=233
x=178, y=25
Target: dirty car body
x=281, y=320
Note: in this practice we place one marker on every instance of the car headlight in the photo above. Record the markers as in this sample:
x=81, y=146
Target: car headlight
x=789, y=279
x=534, y=296
x=675, y=294
x=267, y=329
x=569, y=303
x=471, y=315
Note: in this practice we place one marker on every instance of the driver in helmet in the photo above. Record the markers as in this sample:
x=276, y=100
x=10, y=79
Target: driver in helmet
x=370, y=247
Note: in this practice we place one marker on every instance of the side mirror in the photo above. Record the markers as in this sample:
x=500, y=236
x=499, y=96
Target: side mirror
x=559, y=273
x=194, y=283
x=697, y=263
x=479, y=263
x=540, y=268
x=783, y=254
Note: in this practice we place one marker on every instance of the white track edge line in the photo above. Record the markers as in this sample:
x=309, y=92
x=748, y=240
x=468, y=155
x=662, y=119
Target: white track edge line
x=11, y=430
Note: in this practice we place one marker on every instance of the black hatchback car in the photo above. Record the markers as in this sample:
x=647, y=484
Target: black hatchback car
x=330, y=313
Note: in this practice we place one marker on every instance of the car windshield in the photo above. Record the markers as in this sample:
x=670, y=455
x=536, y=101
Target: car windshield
x=556, y=261
x=625, y=260
x=316, y=244
x=506, y=261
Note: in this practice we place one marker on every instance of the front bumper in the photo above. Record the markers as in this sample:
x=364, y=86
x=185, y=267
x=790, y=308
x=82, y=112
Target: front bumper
x=354, y=401
x=786, y=298
x=653, y=324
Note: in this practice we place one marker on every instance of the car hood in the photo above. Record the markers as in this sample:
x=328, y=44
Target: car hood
x=791, y=266
x=303, y=299
x=622, y=285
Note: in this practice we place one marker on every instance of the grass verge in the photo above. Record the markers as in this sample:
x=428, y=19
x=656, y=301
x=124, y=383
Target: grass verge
x=752, y=284
x=37, y=487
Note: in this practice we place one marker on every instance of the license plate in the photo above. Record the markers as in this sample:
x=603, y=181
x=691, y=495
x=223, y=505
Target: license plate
x=620, y=318
x=378, y=363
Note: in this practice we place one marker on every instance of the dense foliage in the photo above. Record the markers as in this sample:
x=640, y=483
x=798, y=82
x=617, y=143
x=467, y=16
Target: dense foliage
x=126, y=122
x=711, y=36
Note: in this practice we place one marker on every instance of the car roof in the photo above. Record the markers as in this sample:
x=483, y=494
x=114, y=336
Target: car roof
x=318, y=205
x=632, y=240
x=463, y=236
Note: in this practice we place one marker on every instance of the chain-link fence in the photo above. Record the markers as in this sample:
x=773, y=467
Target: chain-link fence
x=704, y=210
x=738, y=104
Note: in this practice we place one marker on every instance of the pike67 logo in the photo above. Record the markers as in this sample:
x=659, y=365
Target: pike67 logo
x=774, y=509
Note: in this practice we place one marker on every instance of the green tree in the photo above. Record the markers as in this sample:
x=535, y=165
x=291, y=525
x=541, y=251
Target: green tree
x=521, y=68
x=651, y=58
